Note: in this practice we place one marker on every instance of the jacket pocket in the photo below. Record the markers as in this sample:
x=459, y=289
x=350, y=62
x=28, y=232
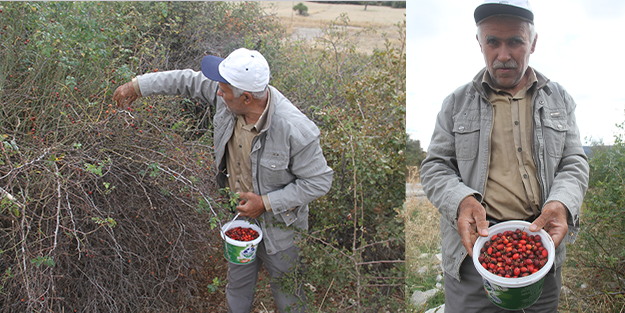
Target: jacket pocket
x=554, y=133
x=467, y=136
x=274, y=170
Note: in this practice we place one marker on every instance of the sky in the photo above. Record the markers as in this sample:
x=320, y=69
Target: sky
x=579, y=45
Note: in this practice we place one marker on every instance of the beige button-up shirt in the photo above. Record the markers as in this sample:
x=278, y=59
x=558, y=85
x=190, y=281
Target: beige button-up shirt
x=238, y=151
x=512, y=188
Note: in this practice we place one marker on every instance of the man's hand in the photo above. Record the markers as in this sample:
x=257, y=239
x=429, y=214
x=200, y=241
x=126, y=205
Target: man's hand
x=471, y=219
x=250, y=205
x=553, y=220
x=125, y=95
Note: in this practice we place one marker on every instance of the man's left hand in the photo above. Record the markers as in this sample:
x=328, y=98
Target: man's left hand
x=250, y=205
x=553, y=220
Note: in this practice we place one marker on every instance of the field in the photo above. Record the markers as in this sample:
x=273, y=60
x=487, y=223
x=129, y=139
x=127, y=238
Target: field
x=373, y=22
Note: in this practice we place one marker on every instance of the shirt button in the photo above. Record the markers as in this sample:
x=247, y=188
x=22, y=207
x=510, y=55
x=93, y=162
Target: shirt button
x=516, y=122
x=525, y=176
x=240, y=146
x=519, y=149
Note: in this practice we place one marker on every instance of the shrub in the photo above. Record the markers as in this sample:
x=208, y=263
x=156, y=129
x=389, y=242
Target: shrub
x=301, y=9
x=358, y=101
x=600, y=247
x=112, y=209
x=105, y=209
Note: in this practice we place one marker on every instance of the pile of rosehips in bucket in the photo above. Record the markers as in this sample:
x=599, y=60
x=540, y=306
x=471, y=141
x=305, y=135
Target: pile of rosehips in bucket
x=513, y=254
x=242, y=234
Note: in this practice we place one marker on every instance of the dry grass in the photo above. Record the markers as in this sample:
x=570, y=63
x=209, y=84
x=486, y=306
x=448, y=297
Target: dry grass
x=377, y=19
x=422, y=241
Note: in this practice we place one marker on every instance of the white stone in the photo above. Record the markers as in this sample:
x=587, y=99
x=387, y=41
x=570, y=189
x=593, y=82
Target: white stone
x=565, y=290
x=439, y=277
x=439, y=257
x=422, y=270
x=311, y=287
x=583, y=286
x=439, y=286
x=438, y=309
x=423, y=255
x=419, y=298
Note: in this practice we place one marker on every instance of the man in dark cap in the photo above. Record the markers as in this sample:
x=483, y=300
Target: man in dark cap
x=506, y=146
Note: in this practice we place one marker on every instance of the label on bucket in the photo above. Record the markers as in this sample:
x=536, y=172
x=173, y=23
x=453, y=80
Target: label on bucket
x=241, y=255
x=513, y=298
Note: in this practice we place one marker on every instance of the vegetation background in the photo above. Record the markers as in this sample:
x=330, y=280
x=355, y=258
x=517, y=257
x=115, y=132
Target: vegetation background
x=106, y=209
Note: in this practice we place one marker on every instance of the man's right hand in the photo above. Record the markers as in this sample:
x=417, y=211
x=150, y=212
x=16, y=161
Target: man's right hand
x=471, y=219
x=125, y=95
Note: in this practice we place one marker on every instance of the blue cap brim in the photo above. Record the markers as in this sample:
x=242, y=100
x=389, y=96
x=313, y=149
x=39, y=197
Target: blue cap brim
x=210, y=68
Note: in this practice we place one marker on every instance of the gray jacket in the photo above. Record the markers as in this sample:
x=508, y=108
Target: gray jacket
x=287, y=162
x=457, y=162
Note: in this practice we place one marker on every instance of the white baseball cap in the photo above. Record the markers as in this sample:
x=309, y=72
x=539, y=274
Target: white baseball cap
x=519, y=8
x=245, y=69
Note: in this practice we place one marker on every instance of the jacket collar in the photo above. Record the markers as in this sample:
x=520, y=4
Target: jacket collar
x=271, y=108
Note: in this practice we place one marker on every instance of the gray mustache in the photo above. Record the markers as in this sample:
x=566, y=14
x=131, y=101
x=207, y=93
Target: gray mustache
x=510, y=64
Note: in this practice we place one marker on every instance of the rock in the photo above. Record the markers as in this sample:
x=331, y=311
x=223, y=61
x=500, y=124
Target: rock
x=423, y=255
x=439, y=286
x=439, y=257
x=438, y=309
x=439, y=277
x=583, y=286
x=423, y=270
x=419, y=298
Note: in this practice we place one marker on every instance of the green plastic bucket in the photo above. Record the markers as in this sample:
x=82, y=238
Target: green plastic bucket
x=514, y=293
x=240, y=252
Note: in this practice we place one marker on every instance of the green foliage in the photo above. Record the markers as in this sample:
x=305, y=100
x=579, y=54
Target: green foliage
x=359, y=103
x=301, y=9
x=45, y=260
x=600, y=246
x=72, y=155
x=60, y=63
x=414, y=153
x=216, y=283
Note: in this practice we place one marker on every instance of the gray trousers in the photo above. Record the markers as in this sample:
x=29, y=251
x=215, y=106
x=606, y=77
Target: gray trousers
x=242, y=279
x=468, y=295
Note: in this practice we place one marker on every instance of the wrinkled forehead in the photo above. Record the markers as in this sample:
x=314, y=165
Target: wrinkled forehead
x=499, y=25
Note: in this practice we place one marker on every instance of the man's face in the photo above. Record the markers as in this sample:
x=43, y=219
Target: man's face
x=235, y=104
x=506, y=45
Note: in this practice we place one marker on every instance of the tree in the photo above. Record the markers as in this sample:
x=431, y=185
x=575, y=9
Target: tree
x=301, y=9
x=414, y=152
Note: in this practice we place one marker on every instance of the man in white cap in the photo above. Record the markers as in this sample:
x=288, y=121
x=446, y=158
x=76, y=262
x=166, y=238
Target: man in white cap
x=266, y=150
x=505, y=147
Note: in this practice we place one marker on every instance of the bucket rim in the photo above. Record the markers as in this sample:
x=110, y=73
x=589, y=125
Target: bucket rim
x=241, y=223
x=521, y=281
